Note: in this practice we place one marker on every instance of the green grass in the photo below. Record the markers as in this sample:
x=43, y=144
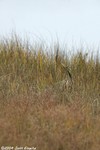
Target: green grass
x=34, y=111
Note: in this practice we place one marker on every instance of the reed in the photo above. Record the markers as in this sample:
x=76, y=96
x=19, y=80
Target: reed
x=47, y=98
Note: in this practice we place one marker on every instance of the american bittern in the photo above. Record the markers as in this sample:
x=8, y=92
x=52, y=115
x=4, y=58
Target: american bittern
x=67, y=82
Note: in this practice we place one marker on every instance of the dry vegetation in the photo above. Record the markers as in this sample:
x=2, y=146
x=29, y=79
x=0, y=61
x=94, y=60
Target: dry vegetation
x=35, y=111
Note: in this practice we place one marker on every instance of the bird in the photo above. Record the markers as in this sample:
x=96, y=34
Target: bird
x=67, y=82
x=65, y=85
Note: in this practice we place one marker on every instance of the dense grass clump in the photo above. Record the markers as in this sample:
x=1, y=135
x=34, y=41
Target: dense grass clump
x=36, y=109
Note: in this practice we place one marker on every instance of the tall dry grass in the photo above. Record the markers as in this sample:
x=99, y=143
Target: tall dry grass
x=35, y=110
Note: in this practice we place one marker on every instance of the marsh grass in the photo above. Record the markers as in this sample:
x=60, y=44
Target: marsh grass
x=35, y=110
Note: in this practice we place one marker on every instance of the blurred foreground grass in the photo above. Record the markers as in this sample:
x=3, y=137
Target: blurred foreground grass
x=33, y=109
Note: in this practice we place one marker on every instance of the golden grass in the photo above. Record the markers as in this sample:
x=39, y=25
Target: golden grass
x=34, y=111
